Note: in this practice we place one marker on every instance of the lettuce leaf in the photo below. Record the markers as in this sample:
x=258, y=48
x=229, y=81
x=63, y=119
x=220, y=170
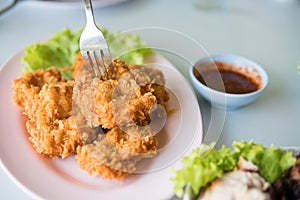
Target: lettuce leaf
x=60, y=50
x=204, y=164
x=128, y=47
x=272, y=162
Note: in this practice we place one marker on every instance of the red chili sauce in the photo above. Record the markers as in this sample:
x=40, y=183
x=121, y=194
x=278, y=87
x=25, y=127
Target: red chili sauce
x=225, y=78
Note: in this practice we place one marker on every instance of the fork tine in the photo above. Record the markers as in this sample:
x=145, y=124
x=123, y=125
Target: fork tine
x=92, y=65
x=106, y=59
x=108, y=67
x=94, y=47
x=101, y=64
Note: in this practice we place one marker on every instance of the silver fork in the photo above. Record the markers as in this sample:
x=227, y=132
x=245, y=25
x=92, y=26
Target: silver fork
x=94, y=48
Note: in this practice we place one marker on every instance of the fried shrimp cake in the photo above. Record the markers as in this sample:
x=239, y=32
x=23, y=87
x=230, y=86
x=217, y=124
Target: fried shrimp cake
x=94, y=95
x=95, y=167
x=58, y=139
x=103, y=105
x=114, y=155
x=136, y=98
x=52, y=129
x=133, y=142
x=27, y=87
x=46, y=98
x=138, y=107
x=124, y=107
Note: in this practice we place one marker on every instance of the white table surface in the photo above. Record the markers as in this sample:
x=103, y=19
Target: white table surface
x=267, y=32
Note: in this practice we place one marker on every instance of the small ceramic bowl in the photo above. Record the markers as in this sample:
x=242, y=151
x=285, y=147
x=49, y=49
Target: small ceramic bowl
x=225, y=100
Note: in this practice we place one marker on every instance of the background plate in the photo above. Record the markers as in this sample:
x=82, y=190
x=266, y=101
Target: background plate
x=73, y=3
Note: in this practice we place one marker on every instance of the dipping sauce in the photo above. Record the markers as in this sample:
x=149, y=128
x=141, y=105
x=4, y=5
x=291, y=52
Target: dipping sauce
x=225, y=77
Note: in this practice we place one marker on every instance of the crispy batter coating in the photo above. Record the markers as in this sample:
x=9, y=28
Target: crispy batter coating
x=120, y=67
x=58, y=139
x=161, y=94
x=107, y=157
x=134, y=142
x=103, y=106
x=46, y=98
x=94, y=167
x=125, y=102
x=123, y=106
x=27, y=87
x=136, y=96
x=140, y=107
x=76, y=65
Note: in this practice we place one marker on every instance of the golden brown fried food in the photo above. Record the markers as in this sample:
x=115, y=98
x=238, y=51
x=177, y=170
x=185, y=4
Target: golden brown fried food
x=46, y=98
x=27, y=87
x=55, y=101
x=126, y=102
x=140, y=107
x=103, y=105
x=94, y=167
x=104, y=157
x=134, y=142
x=94, y=95
x=76, y=65
x=120, y=67
x=152, y=80
x=57, y=139
x=161, y=94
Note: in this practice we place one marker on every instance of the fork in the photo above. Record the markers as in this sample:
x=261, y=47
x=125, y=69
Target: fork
x=94, y=47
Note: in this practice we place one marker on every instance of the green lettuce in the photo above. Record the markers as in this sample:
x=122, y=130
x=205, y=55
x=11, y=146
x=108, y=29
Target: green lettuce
x=60, y=50
x=128, y=47
x=272, y=162
x=204, y=164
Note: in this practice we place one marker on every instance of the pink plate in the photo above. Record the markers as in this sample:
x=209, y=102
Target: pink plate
x=44, y=178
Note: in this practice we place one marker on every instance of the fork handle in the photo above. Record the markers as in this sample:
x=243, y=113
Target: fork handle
x=89, y=12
